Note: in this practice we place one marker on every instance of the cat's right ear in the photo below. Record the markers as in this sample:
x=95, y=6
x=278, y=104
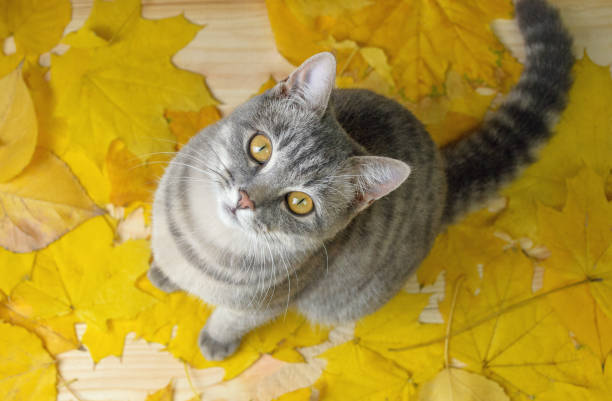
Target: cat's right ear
x=374, y=177
x=312, y=82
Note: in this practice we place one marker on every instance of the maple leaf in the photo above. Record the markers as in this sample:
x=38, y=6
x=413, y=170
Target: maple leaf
x=132, y=179
x=107, y=341
x=14, y=268
x=580, y=240
x=583, y=137
x=513, y=337
x=83, y=273
x=27, y=371
x=421, y=39
x=41, y=204
x=286, y=332
x=117, y=79
x=463, y=250
x=18, y=130
x=185, y=124
x=164, y=394
x=57, y=334
x=36, y=26
x=395, y=325
x=354, y=372
x=460, y=385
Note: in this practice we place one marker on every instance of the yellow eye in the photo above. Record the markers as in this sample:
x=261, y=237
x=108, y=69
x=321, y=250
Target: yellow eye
x=299, y=202
x=260, y=148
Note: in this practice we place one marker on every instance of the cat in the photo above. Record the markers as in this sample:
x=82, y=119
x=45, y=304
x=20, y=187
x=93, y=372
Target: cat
x=327, y=199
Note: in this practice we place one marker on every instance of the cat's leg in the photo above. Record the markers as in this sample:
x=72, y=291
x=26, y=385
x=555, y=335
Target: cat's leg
x=160, y=280
x=223, y=332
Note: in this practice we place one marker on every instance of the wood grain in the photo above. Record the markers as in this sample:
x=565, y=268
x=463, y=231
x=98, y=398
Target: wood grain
x=236, y=53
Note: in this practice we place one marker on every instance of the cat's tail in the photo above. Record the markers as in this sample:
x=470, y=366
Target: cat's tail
x=478, y=165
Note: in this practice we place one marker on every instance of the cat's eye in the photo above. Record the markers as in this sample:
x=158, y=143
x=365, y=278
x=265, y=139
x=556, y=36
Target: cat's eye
x=260, y=148
x=299, y=203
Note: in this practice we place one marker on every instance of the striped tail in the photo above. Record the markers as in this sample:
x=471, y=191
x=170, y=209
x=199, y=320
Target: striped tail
x=478, y=165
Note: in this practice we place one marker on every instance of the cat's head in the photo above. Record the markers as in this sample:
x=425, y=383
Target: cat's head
x=284, y=166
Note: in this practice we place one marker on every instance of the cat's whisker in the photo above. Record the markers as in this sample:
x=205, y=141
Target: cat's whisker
x=326, y=258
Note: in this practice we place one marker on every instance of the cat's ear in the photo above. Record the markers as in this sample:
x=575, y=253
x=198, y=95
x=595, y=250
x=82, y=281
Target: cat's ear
x=375, y=177
x=313, y=81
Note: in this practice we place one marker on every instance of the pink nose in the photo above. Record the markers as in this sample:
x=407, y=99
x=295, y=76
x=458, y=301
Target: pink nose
x=245, y=202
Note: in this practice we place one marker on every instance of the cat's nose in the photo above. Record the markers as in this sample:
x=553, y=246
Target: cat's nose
x=245, y=202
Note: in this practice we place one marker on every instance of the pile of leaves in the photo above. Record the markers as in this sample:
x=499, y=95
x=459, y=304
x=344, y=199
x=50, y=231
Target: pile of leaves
x=528, y=299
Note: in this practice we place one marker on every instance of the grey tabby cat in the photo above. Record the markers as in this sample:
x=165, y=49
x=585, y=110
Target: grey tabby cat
x=328, y=200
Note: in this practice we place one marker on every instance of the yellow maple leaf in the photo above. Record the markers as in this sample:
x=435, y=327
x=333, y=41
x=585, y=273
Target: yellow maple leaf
x=18, y=130
x=35, y=25
x=354, y=372
x=57, y=334
x=132, y=179
x=27, y=371
x=185, y=124
x=164, y=394
x=396, y=325
x=509, y=335
x=583, y=137
x=286, y=332
x=42, y=203
x=14, y=268
x=83, y=273
x=421, y=39
x=580, y=241
x=460, y=385
x=107, y=341
x=120, y=86
x=463, y=250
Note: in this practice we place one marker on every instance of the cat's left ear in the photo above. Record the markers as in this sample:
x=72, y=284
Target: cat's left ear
x=375, y=177
x=313, y=81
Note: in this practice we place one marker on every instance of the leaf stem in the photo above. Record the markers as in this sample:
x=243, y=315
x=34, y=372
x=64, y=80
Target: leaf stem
x=450, y=319
x=67, y=385
x=195, y=392
x=509, y=308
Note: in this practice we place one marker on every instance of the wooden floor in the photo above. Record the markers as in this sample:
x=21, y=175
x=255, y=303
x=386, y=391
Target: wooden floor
x=236, y=52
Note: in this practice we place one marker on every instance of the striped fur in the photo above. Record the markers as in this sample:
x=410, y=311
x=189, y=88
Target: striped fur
x=347, y=149
x=480, y=164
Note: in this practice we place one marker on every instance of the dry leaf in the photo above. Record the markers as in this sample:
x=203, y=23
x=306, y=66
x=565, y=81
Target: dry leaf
x=41, y=204
x=421, y=39
x=460, y=385
x=584, y=137
x=35, y=25
x=14, y=268
x=107, y=341
x=509, y=335
x=118, y=85
x=580, y=241
x=354, y=372
x=185, y=124
x=131, y=178
x=27, y=371
x=463, y=250
x=164, y=394
x=83, y=273
x=396, y=325
x=57, y=334
x=18, y=130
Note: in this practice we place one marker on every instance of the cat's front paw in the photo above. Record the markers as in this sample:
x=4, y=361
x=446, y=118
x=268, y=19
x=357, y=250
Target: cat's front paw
x=214, y=350
x=160, y=280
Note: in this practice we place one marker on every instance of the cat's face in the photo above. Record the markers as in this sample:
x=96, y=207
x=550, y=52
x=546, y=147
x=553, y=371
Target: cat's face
x=281, y=166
